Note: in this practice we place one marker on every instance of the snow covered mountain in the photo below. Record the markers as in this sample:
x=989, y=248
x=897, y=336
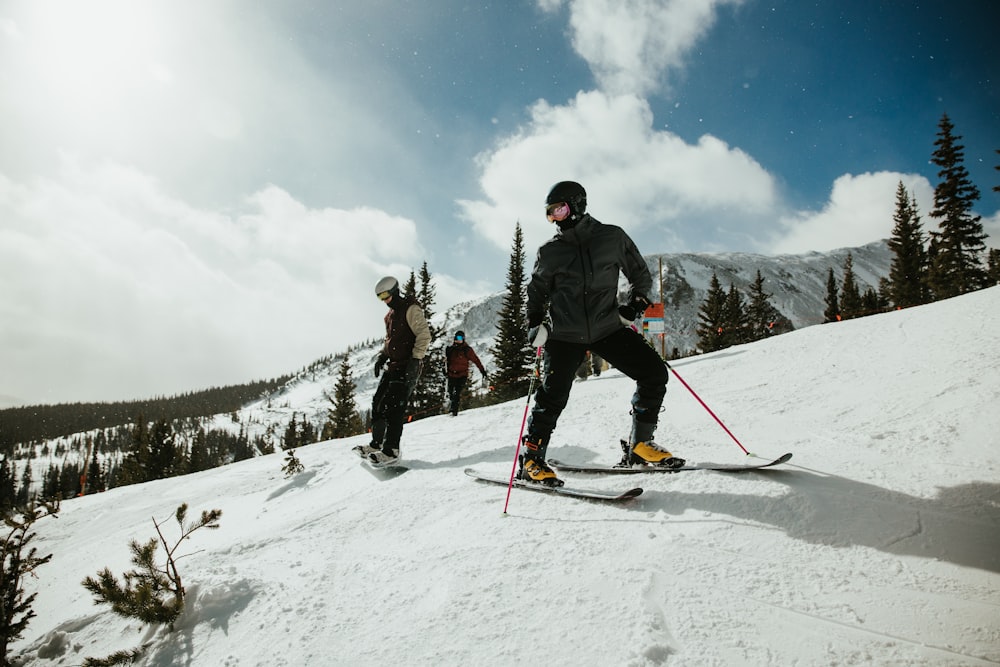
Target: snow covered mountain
x=797, y=284
x=877, y=544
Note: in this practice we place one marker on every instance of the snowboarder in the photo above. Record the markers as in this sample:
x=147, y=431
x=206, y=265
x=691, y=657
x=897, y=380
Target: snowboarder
x=457, y=358
x=576, y=277
x=407, y=338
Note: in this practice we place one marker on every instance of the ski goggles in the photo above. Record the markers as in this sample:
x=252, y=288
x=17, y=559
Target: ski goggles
x=459, y=338
x=383, y=296
x=557, y=212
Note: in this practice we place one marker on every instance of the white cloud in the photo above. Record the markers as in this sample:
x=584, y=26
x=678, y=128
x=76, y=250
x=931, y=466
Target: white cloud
x=113, y=289
x=631, y=45
x=859, y=211
x=635, y=176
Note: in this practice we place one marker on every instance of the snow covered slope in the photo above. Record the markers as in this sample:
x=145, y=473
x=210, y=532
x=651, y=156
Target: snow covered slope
x=879, y=544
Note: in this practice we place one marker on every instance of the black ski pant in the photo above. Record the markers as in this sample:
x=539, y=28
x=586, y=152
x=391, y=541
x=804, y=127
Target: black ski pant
x=455, y=387
x=389, y=410
x=626, y=350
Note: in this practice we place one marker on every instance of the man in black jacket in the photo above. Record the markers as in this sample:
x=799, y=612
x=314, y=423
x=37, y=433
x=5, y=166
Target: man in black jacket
x=576, y=279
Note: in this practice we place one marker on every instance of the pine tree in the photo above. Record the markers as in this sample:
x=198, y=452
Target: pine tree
x=8, y=489
x=832, y=312
x=428, y=396
x=763, y=319
x=18, y=560
x=410, y=288
x=135, y=467
x=343, y=419
x=95, y=475
x=993, y=267
x=290, y=440
x=734, y=330
x=957, y=268
x=850, y=295
x=907, y=278
x=24, y=491
x=510, y=350
x=712, y=318
x=198, y=459
x=162, y=451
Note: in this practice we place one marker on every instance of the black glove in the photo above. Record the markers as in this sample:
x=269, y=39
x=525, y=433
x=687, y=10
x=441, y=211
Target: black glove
x=537, y=335
x=636, y=307
x=534, y=319
x=380, y=362
x=413, y=367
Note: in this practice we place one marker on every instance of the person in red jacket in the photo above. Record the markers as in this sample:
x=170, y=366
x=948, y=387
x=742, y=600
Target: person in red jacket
x=457, y=358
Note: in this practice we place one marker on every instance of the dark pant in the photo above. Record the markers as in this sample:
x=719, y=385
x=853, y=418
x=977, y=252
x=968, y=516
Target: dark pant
x=455, y=387
x=626, y=350
x=389, y=410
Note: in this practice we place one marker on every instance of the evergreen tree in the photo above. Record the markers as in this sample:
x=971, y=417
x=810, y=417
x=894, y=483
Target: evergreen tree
x=993, y=267
x=162, y=451
x=510, y=350
x=410, y=288
x=199, y=459
x=17, y=561
x=850, y=295
x=909, y=263
x=135, y=467
x=734, y=331
x=24, y=491
x=871, y=303
x=832, y=312
x=95, y=475
x=8, y=489
x=712, y=318
x=343, y=419
x=763, y=319
x=428, y=396
x=957, y=267
x=291, y=438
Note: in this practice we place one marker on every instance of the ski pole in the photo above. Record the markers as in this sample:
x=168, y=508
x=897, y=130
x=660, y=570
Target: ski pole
x=524, y=419
x=693, y=393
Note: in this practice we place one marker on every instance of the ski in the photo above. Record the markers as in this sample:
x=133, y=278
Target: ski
x=718, y=467
x=572, y=492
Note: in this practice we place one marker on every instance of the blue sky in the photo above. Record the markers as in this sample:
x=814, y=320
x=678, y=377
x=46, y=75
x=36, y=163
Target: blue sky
x=195, y=194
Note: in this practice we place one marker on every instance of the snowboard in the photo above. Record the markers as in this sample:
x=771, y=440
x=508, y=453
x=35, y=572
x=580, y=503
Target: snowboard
x=569, y=491
x=718, y=467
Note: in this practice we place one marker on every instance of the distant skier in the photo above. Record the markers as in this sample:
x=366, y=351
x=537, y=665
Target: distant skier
x=576, y=278
x=591, y=365
x=457, y=358
x=407, y=338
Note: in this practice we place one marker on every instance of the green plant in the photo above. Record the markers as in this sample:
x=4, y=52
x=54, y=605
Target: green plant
x=292, y=464
x=151, y=593
x=15, y=607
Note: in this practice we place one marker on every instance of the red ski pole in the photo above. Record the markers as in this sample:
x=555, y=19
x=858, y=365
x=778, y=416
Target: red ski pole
x=693, y=393
x=524, y=419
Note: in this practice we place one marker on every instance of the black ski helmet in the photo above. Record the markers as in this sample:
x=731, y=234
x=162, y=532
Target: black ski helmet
x=387, y=284
x=570, y=192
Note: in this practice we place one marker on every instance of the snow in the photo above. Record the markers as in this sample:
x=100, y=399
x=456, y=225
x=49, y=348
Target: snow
x=876, y=545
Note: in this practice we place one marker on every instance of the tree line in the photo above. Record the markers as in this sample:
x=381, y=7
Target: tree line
x=925, y=267
x=36, y=423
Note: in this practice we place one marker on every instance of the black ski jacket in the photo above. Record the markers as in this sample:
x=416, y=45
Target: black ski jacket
x=576, y=278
